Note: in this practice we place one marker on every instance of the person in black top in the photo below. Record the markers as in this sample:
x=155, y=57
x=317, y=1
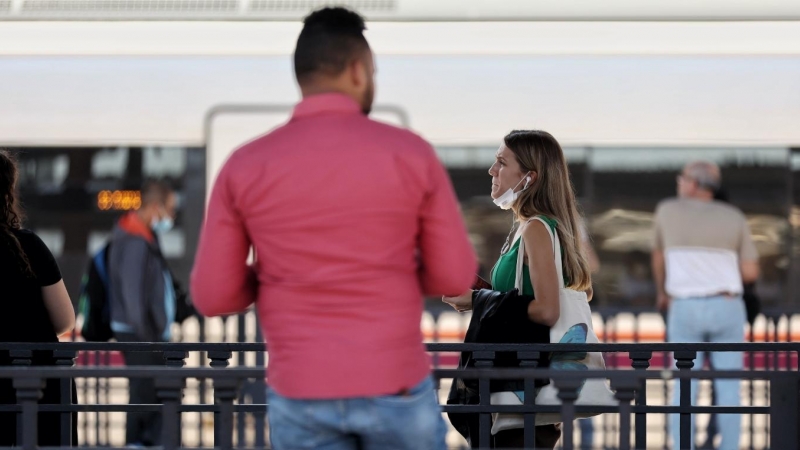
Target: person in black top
x=35, y=303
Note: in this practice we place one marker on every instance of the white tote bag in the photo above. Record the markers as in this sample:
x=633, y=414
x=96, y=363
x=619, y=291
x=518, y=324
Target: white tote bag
x=574, y=326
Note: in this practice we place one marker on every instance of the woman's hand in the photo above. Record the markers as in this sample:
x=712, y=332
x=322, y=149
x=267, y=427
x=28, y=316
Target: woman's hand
x=461, y=303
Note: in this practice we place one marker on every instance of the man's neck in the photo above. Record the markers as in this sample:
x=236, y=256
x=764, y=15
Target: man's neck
x=702, y=197
x=142, y=217
x=323, y=88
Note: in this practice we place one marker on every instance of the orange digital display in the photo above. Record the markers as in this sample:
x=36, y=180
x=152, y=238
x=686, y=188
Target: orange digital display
x=119, y=200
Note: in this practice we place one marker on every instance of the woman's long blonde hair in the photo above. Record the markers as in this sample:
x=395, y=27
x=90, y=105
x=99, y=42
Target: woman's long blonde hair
x=551, y=194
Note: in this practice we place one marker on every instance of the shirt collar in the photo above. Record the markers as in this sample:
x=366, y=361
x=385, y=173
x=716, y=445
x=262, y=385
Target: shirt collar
x=331, y=102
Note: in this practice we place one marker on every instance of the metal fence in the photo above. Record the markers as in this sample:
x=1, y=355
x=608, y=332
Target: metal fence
x=232, y=408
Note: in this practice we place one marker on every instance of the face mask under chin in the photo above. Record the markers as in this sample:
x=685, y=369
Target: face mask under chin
x=506, y=200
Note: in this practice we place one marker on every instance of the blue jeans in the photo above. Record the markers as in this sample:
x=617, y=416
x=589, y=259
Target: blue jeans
x=391, y=422
x=710, y=319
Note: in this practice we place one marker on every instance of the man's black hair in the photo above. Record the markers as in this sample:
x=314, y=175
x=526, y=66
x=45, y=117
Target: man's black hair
x=331, y=38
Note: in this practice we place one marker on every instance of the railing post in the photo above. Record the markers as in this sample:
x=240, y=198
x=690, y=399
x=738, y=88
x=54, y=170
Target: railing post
x=175, y=358
x=20, y=357
x=784, y=391
x=484, y=360
x=224, y=393
x=220, y=359
x=65, y=358
x=625, y=388
x=641, y=361
x=529, y=360
x=685, y=361
x=29, y=391
x=568, y=394
x=169, y=391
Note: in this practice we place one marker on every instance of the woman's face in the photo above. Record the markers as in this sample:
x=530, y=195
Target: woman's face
x=506, y=172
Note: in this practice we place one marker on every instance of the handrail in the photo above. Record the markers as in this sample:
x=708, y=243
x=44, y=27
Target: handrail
x=431, y=347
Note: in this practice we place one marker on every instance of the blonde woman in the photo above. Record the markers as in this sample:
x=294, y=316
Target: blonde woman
x=530, y=178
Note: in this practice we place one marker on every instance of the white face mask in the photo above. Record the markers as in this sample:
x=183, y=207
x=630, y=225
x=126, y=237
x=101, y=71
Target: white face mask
x=507, y=199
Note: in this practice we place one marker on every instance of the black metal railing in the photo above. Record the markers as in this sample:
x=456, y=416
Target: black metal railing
x=229, y=383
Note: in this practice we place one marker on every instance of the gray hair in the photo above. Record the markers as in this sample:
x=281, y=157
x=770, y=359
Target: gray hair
x=705, y=173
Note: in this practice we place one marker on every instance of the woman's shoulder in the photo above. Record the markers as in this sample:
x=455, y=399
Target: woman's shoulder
x=536, y=230
x=30, y=241
x=551, y=222
x=27, y=236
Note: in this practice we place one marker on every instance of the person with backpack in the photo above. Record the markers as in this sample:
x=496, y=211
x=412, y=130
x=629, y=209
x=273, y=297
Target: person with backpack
x=142, y=298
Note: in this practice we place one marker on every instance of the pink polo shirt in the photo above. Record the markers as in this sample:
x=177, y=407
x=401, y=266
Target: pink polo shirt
x=353, y=221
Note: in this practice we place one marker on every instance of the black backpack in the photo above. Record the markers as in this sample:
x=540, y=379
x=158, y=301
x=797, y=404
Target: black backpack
x=94, y=303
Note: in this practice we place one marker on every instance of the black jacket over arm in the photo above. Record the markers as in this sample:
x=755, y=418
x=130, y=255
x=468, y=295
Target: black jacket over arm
x=502, y=318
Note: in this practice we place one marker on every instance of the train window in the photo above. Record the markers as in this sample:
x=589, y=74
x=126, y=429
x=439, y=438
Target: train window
x=628, y=183
x=73, y=196
x=109, y=163
x=47, y=170
x=53, y=239
x=96, y=241
x=160, y=162
x=794, y=227
x=173, y=243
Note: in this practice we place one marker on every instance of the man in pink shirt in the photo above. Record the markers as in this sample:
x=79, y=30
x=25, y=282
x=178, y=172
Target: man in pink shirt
x=352, y=222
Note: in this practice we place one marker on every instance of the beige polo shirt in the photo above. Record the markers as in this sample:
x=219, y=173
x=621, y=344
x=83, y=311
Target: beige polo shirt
x=703, y=244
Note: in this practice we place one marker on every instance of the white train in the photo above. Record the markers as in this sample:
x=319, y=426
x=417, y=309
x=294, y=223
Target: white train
x=614, y=83
x=465, y=84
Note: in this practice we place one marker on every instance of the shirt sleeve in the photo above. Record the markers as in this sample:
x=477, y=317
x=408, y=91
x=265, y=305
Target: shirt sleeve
x=42, y=262
x=747, y=249
x=448, y=265
x=222, y=282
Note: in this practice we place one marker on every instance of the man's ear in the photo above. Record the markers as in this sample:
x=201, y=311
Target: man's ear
x=358, y=72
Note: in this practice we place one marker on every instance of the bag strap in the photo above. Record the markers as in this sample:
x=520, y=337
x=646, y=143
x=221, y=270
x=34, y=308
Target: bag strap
x=520, y=263
x=556, y=251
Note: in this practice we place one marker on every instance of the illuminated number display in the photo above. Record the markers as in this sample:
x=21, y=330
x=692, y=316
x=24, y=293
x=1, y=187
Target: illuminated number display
x=119, y=200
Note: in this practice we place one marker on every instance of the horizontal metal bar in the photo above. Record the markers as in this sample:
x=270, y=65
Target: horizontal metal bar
x=606, y=409
x=237, y=408
x=519, y=373
x=402, y=19
x=702, y=409
x=261, y=408
x=498, y=373
x=432, y=347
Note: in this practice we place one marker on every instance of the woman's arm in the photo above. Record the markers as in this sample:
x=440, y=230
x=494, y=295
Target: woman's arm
x=59, y=307
x=462, y=303
x=541, y=264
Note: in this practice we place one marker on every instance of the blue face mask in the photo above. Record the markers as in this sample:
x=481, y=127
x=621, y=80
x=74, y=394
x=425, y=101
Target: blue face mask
x=162, y=225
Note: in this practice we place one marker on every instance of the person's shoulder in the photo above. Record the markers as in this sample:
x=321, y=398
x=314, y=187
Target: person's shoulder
x=668, y=203
x=30, y=241
x=121, y=239
x=538, y=229
x=243, y=153
x=727, y=209
x=397, y=137
x=27, y=237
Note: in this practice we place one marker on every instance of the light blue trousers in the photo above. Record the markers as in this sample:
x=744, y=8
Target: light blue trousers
x=390, y=422
x=710, y=319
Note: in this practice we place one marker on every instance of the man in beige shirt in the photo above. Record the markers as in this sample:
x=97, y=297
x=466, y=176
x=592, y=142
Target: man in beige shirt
x=702, y=254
